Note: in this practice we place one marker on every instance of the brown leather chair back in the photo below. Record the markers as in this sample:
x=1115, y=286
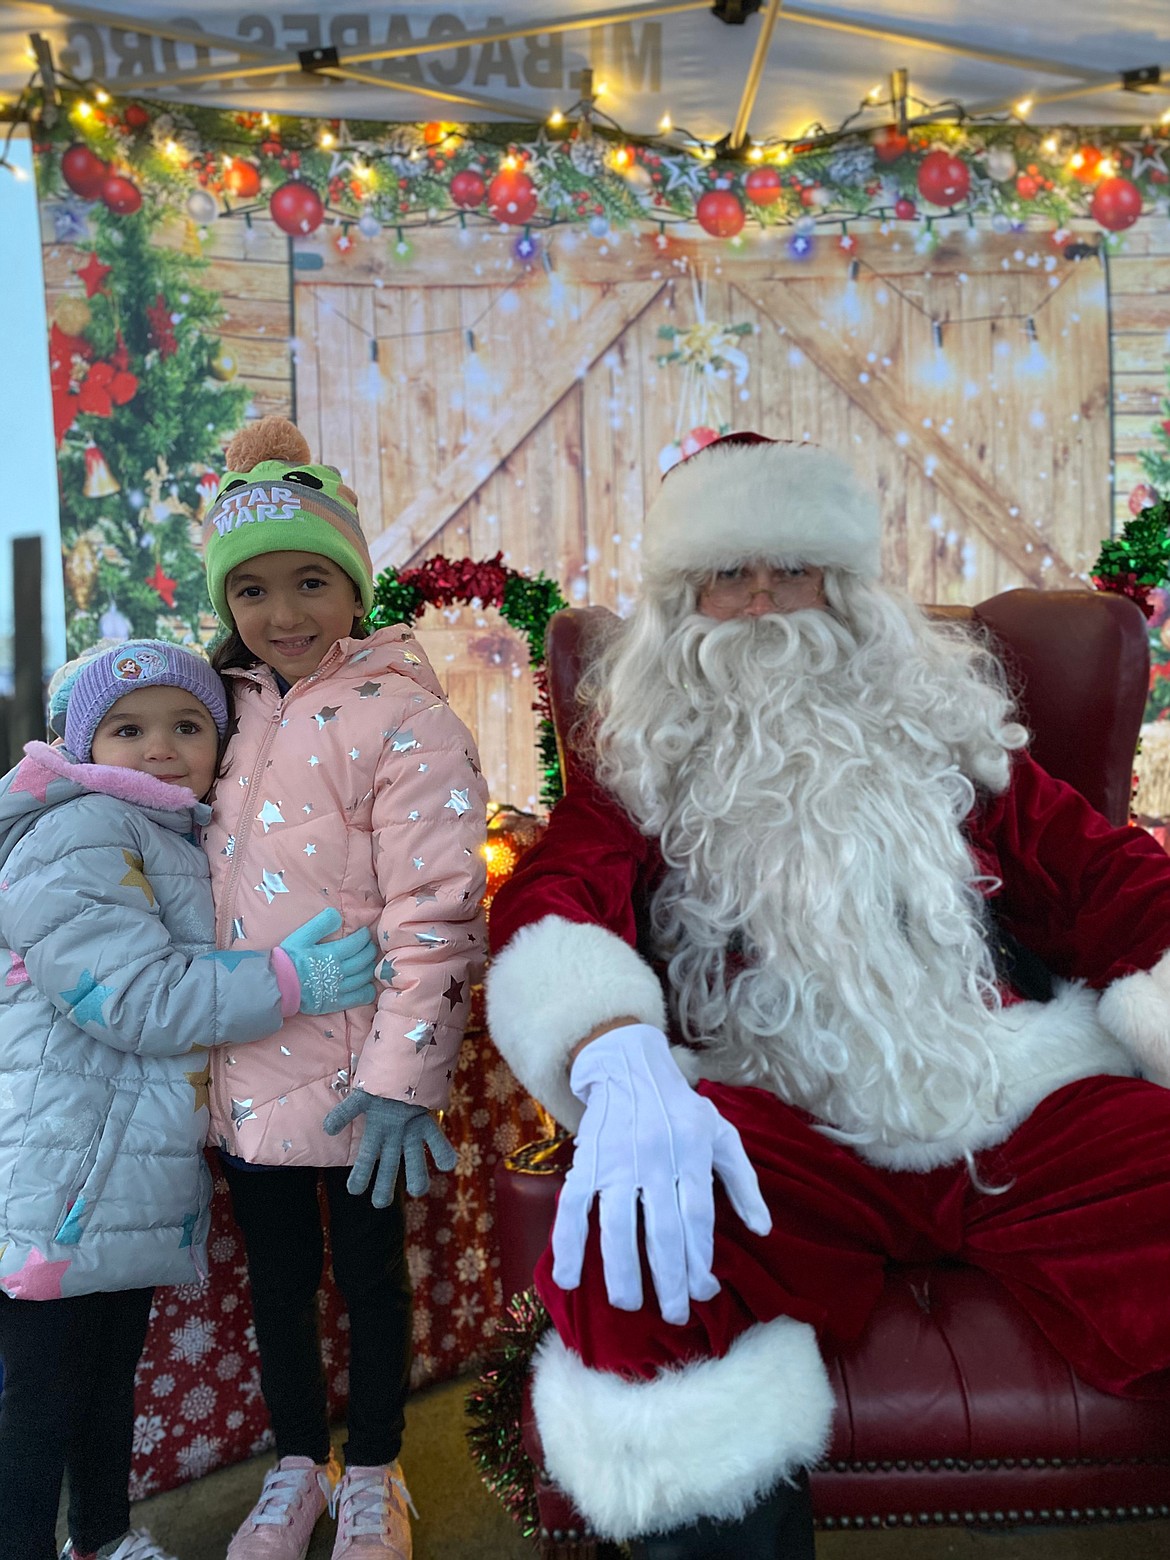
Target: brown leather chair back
x=1078, y=662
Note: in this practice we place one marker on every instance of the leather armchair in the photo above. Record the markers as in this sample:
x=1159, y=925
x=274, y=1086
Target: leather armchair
x=952, y=1409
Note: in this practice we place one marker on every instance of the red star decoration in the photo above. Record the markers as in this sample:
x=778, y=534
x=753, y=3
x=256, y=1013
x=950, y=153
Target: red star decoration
x=162, y=330
x=163, y=583
x=93, y=273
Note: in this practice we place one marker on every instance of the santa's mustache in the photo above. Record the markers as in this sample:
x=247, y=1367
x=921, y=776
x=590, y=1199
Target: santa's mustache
x=812, y=638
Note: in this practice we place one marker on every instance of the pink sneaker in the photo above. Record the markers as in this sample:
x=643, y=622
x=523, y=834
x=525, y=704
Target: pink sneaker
x=372, y=1523
x=292, y=1497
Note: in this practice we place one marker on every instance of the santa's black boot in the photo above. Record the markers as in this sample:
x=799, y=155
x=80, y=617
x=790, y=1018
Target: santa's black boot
x=779, y=1528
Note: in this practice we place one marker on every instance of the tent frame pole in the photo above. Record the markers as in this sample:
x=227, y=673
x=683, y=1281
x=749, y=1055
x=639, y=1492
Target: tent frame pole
x=755, y=75
x=256, y=60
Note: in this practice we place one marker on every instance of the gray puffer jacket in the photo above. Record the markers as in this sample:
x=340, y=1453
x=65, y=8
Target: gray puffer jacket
x=109, y=996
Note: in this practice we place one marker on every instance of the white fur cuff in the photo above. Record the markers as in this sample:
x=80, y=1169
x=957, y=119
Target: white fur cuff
x=792, y=503
x=708, y=1440
x=554, y=982
x=1136, y=1011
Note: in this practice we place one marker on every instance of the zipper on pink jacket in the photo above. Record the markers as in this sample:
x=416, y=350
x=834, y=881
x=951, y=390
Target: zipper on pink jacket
x=223, y=913
x=244, y=829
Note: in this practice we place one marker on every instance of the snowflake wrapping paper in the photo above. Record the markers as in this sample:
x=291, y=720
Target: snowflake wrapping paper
x=198, y=1387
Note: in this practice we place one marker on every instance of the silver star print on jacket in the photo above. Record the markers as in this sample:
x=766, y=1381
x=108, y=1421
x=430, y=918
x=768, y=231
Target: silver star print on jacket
x=458, y=803
x=269, y=814
x=271, y=884
x=422, y=1034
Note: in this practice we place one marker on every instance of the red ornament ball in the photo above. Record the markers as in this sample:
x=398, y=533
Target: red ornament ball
x=1116, y=204
x=511, y=197
x=1027, y=187
x=296, y=209
x=943, y=180
x=763, y=186
x=905, y=209
x=242, y=178
x=122, y=196
x=889, y=144
x=135, y=117
x=1142, y=497
x=720, y=213
x=83, y=171
x=468, y=189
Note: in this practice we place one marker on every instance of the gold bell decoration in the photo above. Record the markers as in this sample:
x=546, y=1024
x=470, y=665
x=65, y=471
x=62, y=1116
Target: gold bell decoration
x=72, y=314
x=81, y=566
x=224, y=365
x=100, y=481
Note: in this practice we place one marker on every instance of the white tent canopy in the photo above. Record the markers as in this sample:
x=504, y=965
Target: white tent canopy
x=784, y=68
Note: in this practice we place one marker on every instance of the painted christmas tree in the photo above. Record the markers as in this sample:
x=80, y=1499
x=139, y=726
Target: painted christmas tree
x=1156, y=460
x=141, y=405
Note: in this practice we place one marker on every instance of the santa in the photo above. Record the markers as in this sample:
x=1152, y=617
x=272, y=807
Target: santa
x=919, y=999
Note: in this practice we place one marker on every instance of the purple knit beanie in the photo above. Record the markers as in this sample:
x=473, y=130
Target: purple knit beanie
x=102, y=680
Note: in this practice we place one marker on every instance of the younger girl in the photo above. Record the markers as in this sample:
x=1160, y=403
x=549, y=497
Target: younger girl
x=105, y=910
x=349, y=783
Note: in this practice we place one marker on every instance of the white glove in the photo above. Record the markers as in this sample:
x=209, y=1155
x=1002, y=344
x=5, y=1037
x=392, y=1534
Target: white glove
x=647, y=1137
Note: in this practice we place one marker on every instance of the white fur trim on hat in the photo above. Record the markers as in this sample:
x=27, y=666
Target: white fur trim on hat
x=1136, y=1011
x=711, y=1439
x=731, y=503
x=554, y=982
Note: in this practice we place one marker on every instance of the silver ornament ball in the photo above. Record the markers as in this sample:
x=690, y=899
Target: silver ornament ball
x=202, y=206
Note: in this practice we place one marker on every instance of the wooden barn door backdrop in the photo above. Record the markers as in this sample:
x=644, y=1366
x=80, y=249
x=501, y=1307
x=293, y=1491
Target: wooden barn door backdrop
x=480, y=403
x=520, y=390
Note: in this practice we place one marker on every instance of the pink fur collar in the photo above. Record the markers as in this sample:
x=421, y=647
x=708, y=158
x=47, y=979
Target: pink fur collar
x=129, y=785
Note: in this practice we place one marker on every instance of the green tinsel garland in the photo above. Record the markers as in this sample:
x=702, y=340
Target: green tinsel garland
x=1138, y=560
x=496, y=1407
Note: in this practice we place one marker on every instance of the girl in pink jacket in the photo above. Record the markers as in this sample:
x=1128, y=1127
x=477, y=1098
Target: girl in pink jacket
x=349, y=783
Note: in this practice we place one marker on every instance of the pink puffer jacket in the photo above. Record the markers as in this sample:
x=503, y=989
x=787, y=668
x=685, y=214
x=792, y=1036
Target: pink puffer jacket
x=361, y=790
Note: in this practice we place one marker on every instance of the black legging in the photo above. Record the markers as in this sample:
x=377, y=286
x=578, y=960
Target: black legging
x=67, y=1406
x=280, y=1217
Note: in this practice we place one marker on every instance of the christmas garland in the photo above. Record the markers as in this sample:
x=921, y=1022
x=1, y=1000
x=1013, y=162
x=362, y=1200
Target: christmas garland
x=496, y=1408
x=1138, y=561
x=524, y=601
x=372, y=181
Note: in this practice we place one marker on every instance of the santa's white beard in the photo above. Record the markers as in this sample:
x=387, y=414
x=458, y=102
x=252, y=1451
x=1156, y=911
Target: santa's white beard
x=820, y=914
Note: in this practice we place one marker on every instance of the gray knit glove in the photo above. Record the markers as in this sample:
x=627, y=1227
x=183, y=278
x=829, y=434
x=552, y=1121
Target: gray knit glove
x=394, y=1132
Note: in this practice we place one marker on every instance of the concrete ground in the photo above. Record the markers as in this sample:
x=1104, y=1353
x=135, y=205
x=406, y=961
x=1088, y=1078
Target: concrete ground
x=460, y=1520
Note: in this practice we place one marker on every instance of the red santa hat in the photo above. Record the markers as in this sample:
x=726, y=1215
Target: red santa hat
x=744, y=497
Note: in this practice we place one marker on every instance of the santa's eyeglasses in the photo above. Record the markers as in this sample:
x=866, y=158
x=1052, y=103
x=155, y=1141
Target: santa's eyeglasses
x=736, y=587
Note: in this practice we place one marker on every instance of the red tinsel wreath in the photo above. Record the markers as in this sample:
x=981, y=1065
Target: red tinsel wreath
x=524, y=601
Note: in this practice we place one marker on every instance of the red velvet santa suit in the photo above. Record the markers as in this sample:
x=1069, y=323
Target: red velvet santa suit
x=1014, y=1135
x=1077, y=1225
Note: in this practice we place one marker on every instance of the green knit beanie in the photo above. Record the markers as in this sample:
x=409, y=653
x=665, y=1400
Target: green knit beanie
x=273, y=499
